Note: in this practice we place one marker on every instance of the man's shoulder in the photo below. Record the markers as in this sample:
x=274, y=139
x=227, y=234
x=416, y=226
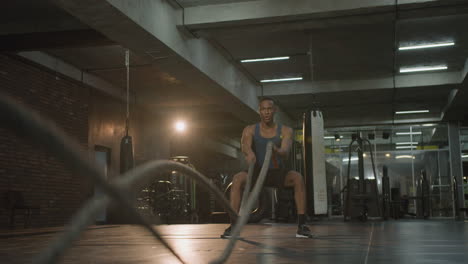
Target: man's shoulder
x=286, y=128
x=250, y=128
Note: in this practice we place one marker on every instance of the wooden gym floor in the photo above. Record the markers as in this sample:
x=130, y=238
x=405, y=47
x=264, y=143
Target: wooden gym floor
x=403, y=241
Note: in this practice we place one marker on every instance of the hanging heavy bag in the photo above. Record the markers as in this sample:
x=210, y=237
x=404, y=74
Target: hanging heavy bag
x=126, y=154
x=126, y=146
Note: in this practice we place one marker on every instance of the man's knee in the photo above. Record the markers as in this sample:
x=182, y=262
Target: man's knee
x=297, y=178
x=239, y=179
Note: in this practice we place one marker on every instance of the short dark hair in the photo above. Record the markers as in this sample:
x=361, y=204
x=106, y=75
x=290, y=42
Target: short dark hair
x=266, y=98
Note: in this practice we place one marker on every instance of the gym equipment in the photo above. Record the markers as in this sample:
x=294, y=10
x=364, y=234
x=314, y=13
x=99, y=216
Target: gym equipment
x=314, y=163
x=362, y=199
x=458, y=210
x=385, y=194
x=285, y=206
x=186, y=187
x=423, y=196
x=172, y=196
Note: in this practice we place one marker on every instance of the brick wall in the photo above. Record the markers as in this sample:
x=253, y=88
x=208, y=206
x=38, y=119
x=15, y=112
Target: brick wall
x=39, y=175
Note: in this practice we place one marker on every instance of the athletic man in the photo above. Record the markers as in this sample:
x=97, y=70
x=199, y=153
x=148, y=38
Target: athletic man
x=254, y=141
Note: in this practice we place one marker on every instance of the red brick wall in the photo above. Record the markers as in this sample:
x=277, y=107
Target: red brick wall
x=39, y=175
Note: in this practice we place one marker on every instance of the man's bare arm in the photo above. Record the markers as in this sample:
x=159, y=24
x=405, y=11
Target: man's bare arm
x=286, y=142
x=246, y=144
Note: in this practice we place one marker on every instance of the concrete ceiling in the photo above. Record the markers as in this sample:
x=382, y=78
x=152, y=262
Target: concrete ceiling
x=347, y=47
x=189, y=3
x=344, y=51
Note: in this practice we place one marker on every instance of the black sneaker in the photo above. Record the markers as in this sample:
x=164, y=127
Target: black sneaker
x=227, y=233
x=304, y=232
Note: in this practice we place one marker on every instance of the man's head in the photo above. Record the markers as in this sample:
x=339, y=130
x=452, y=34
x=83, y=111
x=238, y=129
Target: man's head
x=267, y=110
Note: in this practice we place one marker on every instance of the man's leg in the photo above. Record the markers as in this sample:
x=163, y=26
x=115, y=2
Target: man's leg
x=237, y=182
x=235, y=198
x=295, y=180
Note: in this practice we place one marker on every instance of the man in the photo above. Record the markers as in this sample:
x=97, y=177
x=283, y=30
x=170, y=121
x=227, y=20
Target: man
x=254, y=141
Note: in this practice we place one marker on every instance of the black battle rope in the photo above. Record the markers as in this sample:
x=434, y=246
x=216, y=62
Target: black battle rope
x=44, y=132
x=248, y=183
x=247, y=208
x=87, y=213
x=28, y=123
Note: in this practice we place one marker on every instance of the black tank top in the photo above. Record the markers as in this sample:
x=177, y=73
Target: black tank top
x=260, y=144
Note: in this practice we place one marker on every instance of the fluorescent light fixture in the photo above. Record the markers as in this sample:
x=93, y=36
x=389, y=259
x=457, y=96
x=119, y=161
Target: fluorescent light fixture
x=404, y=157
x=427, y=68
x=428, y=125
x=425, y=46
x=465, y=156
x=411, y=112
x=352, y=159
x=331, y=137
x=266, y=59
x=406, y=143
x=405, y=147
x=282, y=80
x=408, y=133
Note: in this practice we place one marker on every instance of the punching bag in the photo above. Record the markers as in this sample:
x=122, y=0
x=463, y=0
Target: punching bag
x=314, y=163
x=126, y=146
x=126, y=154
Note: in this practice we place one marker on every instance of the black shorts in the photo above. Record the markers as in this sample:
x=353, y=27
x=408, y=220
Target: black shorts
x=274, y=178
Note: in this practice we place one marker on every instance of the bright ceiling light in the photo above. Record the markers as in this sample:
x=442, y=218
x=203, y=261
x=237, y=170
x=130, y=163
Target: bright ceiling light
x=411, y=112
x=428, y=125
x=404, y=157
x=408, y=133
x=282, y=80
x=427, y=68
x=405, y=147
x=387, y=155
x=266, y=59
x=332, y=137
x=465, y=156
x=352, y=159
x=180, y=126
x=429, y=45
x=407, y=143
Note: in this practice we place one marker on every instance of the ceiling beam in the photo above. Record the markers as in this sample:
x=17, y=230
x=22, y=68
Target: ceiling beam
x=59, y=66
x=53, y=40
x=456, y=109
x=363, y=16
x=401, y=81
x=330, y=123
x=150, y=28
x=271, y=11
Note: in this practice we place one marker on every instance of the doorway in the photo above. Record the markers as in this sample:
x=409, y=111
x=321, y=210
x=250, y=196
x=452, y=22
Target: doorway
x=102, y=157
